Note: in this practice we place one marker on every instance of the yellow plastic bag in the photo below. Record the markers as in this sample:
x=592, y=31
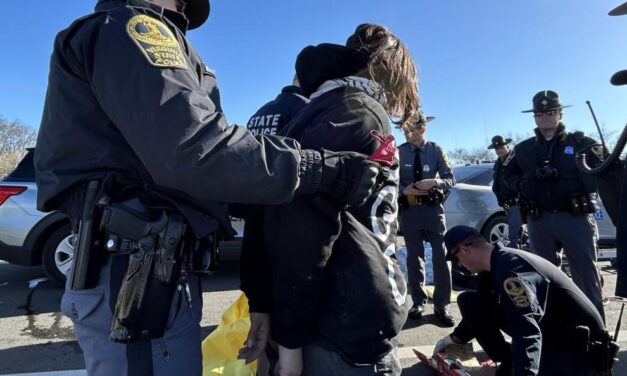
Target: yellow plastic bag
x=220, y=348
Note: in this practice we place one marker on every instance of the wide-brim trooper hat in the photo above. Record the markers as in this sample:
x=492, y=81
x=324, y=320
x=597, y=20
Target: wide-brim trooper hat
x=545, y=101
x=620, y=77
x=498, y=141
x=197, y=12
x=423, y=120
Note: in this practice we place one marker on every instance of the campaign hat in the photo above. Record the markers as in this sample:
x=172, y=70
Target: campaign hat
x=545, y=101
x=498, y=141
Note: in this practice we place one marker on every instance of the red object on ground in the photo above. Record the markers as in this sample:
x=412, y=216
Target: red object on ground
x=441, y=366
x=385, y=154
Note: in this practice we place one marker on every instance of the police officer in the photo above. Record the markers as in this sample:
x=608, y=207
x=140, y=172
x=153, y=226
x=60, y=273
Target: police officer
x=507, y=198
x=274, y=115
x=425, y=174
x=555, y=329
x=555, y=197
x=132, y=128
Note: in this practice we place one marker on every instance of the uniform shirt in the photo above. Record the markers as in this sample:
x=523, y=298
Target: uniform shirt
x=435, y=165
x=560, y=151
x=501, y=190
x=540, y=303
x=274, y=115
x=129, y=100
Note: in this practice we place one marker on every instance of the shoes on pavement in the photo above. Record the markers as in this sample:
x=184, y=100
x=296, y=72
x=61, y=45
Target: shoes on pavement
x=415, y=312
x=444, y=317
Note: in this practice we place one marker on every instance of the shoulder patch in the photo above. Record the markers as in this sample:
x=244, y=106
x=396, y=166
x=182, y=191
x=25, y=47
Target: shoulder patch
x=155, y=40
x=509, y=158
x=517, y=291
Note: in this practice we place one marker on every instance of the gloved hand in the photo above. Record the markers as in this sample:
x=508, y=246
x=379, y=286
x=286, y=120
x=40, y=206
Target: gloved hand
x=443, y=343
x=349, y=177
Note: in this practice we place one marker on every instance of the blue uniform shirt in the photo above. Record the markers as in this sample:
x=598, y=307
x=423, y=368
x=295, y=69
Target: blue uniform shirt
x=435, y=165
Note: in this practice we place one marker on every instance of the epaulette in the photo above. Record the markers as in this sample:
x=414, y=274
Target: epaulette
x=578, y=135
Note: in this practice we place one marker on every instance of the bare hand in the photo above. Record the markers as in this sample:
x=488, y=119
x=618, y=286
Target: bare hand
x=290, y=362
x=257, y=338
x=426, y=184
x=410, y=190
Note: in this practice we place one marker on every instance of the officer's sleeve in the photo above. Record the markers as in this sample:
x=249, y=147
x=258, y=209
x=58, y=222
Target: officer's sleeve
x=523, y=298
x=512, y=173
x=176, y=130
x=445, y=178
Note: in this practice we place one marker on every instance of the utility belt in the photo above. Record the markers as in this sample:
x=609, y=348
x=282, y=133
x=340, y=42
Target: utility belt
x=506, y=204
x=433, y=198
x=602, y=352
x=162, y=251
x=578, y=205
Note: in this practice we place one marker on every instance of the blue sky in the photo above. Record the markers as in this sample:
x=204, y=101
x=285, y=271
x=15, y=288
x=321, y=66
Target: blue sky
x=480, y=61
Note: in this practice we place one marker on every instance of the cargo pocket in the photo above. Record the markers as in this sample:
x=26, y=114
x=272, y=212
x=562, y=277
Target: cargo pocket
x=79, y=305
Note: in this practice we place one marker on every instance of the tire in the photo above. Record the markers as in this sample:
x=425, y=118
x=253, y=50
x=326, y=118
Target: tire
x=56, y=257
x=496, y=230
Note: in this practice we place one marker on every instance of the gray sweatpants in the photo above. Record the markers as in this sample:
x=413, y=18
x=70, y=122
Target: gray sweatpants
x=91, y=311
x=578, y=236
x=426, y=223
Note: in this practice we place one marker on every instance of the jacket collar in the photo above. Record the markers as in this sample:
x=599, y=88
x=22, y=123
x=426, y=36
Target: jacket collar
x=560, y=133
x=178, y=19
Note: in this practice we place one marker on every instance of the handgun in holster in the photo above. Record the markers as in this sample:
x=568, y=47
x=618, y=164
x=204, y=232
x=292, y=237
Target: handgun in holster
x=146, y=293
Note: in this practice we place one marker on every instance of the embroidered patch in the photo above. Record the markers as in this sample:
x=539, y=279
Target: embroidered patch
x=426, y=168
x=517, y=291
x=598, y=215
x=569, y=150
x=156, y=42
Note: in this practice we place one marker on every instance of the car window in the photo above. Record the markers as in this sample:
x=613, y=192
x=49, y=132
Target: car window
x=25, y=170
x=482, y=178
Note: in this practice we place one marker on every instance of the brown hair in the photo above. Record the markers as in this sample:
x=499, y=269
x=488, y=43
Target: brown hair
x=391, y=66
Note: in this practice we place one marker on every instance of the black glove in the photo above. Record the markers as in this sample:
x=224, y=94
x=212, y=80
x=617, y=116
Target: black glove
x=348, y=177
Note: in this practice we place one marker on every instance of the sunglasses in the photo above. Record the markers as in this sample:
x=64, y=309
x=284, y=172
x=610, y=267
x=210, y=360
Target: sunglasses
x=548, y=113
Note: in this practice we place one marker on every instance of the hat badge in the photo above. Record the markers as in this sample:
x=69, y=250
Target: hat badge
x=544, y=102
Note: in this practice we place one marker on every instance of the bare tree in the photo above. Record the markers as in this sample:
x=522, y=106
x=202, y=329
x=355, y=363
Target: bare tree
x=15, y=137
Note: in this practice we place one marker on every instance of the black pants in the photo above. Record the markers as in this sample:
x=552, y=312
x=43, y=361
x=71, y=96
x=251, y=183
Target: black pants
x=484, y=320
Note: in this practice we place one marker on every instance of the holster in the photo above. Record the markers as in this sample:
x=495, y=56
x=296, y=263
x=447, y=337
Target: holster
x=528, y=209
x=603, y=354
x=584, y=204
x=155, y=261
x=432, y=198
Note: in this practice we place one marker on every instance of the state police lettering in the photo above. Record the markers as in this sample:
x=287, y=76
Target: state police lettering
x=264, y=124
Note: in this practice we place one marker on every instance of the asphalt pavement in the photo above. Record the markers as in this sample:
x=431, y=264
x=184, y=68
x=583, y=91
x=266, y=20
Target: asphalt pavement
x=35, y=338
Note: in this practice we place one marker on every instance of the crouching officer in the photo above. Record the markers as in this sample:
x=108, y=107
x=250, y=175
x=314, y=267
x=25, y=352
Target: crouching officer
x=425, y=174
x=557, y=199
x=134, y=148
x=506, y=197
x=555, y=329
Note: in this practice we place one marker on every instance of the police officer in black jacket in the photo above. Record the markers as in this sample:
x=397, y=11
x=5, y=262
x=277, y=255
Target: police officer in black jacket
x=506, y=197
x=132, y=125
x=555, y=329
x=555, y=197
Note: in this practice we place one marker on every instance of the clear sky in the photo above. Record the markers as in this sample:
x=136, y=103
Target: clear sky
x=480, y=61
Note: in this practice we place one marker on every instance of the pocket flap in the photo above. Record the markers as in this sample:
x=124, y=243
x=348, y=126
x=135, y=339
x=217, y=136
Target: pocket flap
x=79, y=304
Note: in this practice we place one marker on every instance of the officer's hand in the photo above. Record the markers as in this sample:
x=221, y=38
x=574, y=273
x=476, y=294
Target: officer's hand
x=442, y=344
x=257, y=338
x=426, y=184
x=349, y=177
x=411, y=191
x=290, y=362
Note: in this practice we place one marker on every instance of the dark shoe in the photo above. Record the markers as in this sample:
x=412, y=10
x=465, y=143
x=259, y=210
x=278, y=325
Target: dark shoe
x=444, y=317
x=415, y=312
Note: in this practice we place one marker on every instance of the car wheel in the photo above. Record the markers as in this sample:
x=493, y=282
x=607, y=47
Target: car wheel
x=57, y=255
x=496, y=230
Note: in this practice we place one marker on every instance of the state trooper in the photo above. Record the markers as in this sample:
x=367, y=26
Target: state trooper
x=133, y=146
x=554, y=328
x=506, y=197
x=274, y=115
x=425, y=173
x=557, y=199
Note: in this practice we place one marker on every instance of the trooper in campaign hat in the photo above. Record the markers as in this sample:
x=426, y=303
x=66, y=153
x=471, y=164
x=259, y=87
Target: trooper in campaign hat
x=554, y=328
x=546, y=101
x=506, y=197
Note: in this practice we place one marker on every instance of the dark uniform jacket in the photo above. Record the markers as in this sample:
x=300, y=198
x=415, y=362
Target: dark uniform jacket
x=130, y=101
x=274, y=115
x=541, y=305
x=334, y=274
x=503, y=193
x=559, y=152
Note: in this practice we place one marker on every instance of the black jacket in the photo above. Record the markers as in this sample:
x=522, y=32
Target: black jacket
x=334, y=273
x=501, y=190
x=274, y=115
x=550, y=194
x=540, y=304
x=130, y=101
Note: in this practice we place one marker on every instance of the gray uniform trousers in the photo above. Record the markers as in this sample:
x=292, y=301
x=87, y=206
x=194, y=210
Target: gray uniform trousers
x=513, y=223
x=578, y=236
x=91, y=311
x=426, y=223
